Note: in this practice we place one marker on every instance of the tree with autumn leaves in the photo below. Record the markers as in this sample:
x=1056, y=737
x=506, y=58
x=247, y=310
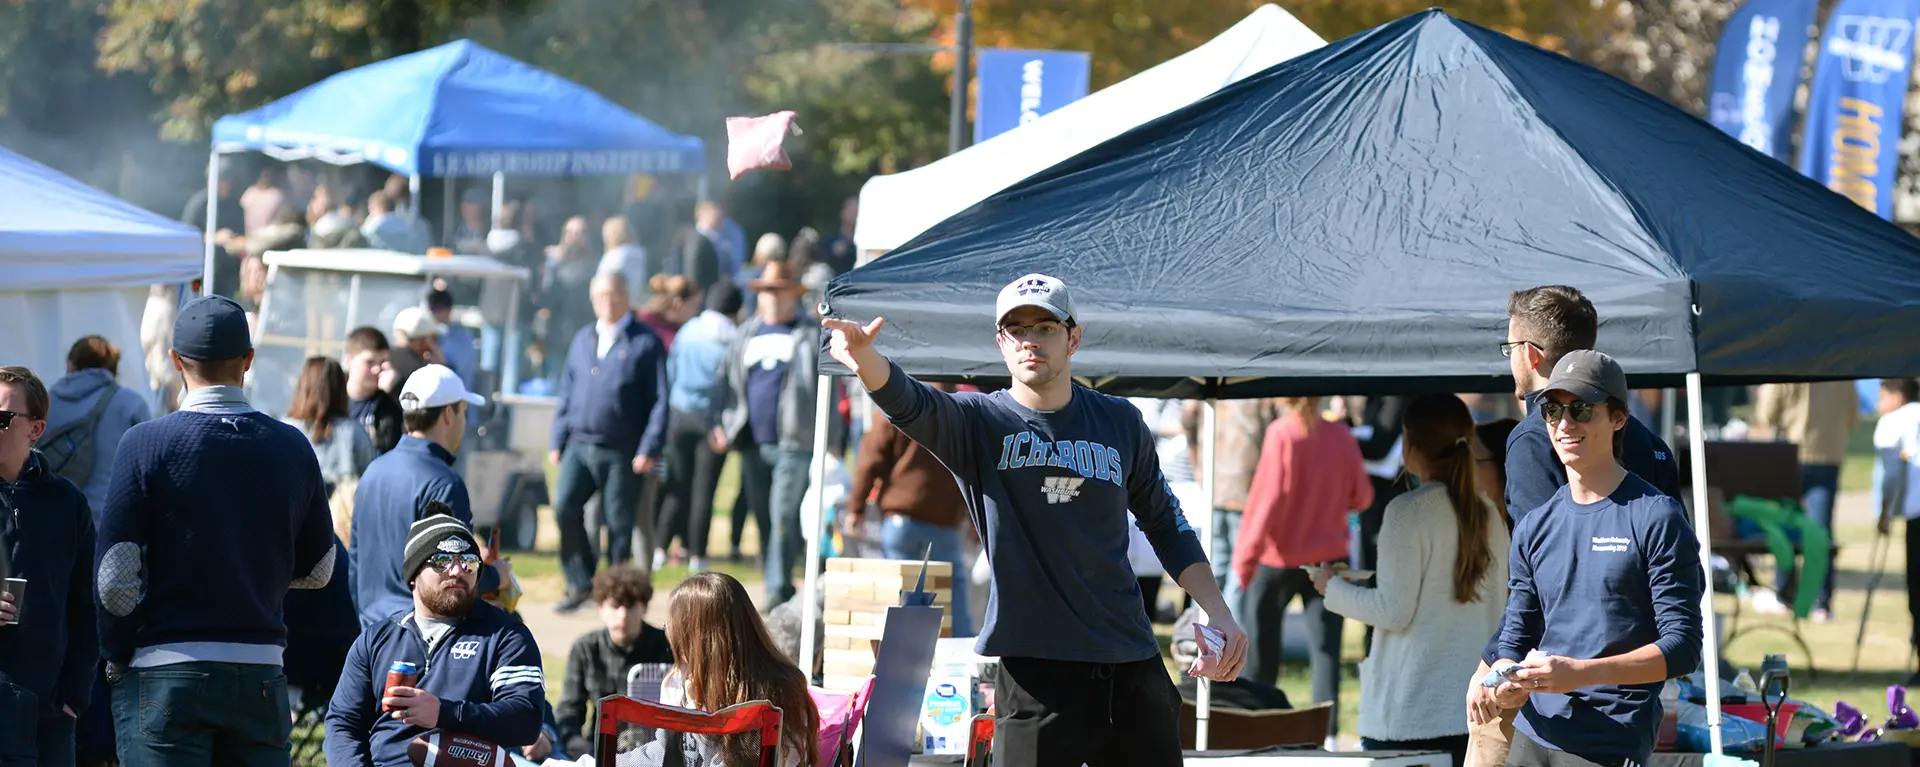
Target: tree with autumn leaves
x=688, y=64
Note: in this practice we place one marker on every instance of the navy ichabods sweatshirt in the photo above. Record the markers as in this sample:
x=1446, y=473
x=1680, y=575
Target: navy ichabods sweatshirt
x=213, y=513
x=46, y=660
x=1594, y=581
x=485, y=671
x=1049, y=493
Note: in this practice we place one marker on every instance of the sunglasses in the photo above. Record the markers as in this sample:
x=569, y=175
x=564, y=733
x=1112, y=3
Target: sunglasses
x=7, y=416
x=445, y=564
x=1581, y=411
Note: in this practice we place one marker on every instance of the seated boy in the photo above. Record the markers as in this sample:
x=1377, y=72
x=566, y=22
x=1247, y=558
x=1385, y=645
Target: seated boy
x=597, y=666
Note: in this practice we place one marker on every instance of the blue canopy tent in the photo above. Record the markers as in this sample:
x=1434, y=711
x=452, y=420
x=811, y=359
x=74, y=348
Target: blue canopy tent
x=1352, y=221
x=457, y=110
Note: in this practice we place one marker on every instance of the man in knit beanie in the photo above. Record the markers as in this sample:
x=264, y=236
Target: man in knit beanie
x=477, y=670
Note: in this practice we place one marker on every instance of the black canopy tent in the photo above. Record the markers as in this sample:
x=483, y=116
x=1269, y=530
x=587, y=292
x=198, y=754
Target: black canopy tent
x=1353, y=220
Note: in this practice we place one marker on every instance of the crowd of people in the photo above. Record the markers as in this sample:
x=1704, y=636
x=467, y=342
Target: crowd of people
x=157, y=553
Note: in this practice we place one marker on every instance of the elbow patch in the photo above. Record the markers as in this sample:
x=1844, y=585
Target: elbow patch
x=321, y=575
x=122, y=579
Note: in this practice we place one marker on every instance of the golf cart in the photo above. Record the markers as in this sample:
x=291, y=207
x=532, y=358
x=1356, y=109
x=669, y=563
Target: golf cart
x=314, y=298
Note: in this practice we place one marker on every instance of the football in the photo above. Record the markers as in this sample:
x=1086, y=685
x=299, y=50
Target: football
x=443, y=749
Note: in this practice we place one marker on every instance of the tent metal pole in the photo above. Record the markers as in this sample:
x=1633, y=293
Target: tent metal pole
x=817, y=532
x=1203, y=705
x=449, y=190
x=413, y=195
x=499, y=198
x=1703, y=527
x=213, y=220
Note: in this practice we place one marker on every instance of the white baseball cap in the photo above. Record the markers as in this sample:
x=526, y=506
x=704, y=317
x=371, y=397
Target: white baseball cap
x=436, y=386
x=1035, y=290
x=417, y=322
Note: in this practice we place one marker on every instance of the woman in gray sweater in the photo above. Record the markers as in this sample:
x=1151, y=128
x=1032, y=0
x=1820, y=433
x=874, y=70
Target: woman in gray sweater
x=319, y=411
x=90, y=412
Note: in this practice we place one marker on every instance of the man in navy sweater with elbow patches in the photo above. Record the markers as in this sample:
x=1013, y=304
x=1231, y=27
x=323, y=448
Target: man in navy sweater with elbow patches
x=1049, y=471
x=608, y=430
x=212, y=514
x=478, y=668
x=1605, y=580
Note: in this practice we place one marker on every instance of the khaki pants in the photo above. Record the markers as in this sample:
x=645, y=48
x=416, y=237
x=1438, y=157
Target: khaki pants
x=1487, y=744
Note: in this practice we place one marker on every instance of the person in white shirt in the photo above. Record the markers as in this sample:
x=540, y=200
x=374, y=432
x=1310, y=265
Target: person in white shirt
x=1441, y=589
x=1896, y=485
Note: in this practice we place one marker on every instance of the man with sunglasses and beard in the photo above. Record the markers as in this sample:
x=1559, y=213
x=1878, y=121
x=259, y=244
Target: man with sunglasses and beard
x=477, y=669
x=1049, y=471
x=1605, y=581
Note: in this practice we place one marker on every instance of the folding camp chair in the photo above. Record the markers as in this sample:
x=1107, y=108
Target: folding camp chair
x=628, y=730
x=840, y=717
x=643, y=680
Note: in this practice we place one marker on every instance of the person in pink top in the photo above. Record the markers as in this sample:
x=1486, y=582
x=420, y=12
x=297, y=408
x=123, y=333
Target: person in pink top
x=1309, y=476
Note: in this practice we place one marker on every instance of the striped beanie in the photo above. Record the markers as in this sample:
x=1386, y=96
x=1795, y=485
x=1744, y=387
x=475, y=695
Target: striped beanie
x=436, y=532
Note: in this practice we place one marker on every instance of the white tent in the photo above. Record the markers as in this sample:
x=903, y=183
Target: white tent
x=898, y=207
x=78, y=262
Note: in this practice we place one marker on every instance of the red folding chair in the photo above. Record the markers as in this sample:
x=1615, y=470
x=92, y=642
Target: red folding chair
x=646, y=719
x=980, y=742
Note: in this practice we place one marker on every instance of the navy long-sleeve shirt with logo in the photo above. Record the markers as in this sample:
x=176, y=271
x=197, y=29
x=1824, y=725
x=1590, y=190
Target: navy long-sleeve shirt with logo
x=1049, y=493
x=393, y=495
x=1595, y=581
x=485, y=671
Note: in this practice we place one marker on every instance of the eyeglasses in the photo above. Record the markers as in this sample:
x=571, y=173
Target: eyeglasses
x=7, y=416
x=445, y=564
x=1506, y=347
x=1038, y=332
x=1581, y=411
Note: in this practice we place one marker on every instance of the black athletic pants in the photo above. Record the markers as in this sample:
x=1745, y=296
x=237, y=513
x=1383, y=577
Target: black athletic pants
x=1052, y=713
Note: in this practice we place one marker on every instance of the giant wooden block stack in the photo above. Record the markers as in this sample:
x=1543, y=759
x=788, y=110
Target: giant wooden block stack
x=859, y=591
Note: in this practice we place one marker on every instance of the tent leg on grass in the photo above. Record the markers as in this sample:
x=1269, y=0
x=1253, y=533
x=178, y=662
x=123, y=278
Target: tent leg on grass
x=1203, y=702
x=817, y=532
x=213, y=220
x=1702, y=526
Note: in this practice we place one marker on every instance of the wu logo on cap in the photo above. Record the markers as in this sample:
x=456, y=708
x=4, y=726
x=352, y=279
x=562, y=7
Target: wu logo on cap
x=1873, y=47
x=1062, y=489
x=1033, y=286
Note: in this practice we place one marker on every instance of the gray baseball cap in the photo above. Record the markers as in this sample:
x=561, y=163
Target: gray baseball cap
x=1035, y=290
x=1589, y=375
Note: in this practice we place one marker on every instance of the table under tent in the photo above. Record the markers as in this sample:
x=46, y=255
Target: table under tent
x=1352, y=221
x=80, y=262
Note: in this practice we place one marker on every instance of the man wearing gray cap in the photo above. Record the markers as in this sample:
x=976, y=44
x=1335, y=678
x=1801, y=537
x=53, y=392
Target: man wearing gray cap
x=1049, y=471
x=1605, y=581
x=212, y=513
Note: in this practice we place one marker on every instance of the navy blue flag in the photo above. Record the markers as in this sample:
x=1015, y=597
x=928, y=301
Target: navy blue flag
x=1018, y=86
x=1755, y=72
x=1852, y=140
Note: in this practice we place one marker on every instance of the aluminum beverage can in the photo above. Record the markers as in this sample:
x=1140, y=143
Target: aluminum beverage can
x=401, y=674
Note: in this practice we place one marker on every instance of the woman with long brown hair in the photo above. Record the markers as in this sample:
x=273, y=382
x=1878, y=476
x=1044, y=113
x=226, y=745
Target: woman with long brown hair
x=1440, y=588
x=319, y=411
x=724, y=657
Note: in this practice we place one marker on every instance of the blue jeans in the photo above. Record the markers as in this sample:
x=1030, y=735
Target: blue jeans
x=1818, y=483
x=789, y=488
x=203, y=714
x=1226, y=529
x=584, y=469
x=903, y=537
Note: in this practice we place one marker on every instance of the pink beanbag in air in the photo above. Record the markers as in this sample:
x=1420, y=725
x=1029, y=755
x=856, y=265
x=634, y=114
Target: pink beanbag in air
x=754, y=142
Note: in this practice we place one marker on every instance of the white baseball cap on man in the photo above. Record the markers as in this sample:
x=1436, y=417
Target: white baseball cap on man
x=415, y=322
x=1040, y=290
x=436, y=386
